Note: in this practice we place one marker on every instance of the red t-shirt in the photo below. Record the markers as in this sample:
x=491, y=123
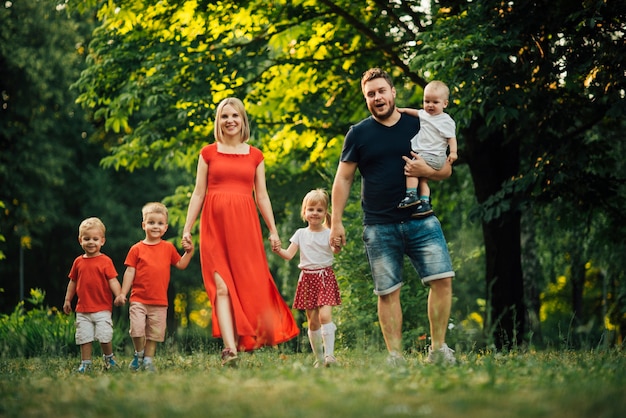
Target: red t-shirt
x=92, y=275
x=152, y=271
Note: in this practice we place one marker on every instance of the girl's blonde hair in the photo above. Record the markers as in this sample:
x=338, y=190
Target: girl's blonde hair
x=154, y=207
x=315, y=197
x=239, y=108
x=91, y=223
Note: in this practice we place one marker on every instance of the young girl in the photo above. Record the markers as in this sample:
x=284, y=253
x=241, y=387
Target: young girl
x=317, y=291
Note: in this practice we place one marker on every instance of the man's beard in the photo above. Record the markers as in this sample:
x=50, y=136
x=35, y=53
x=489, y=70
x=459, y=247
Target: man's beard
x=385, y=115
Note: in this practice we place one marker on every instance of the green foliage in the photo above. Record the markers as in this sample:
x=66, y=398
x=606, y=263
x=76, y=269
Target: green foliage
x=39, y=123
x=42, y=329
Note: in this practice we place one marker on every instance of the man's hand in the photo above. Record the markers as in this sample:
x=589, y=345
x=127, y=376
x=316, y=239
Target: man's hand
x=417, y=167
x=337, y=237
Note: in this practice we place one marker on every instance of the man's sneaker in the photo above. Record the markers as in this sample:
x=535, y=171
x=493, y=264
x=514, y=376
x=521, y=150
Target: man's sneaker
x=422, y=210
x=136, y=363
x=410, y=199
x=330, y=361
x=445, y=355
x=110, y=363
x=84, y=368
x=149, y=367
x=396, y=361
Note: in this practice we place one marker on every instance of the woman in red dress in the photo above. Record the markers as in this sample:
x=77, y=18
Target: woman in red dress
x=248, y=310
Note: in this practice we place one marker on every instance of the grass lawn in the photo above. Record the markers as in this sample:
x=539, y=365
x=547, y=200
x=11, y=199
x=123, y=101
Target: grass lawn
x=270, y=384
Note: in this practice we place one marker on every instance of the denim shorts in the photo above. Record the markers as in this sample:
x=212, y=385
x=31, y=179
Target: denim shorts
x=421, y=240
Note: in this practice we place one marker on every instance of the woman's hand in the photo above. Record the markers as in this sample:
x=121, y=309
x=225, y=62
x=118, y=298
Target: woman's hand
x=275, y=242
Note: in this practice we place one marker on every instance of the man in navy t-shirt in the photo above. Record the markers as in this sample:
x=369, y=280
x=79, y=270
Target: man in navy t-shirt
x=379, y=146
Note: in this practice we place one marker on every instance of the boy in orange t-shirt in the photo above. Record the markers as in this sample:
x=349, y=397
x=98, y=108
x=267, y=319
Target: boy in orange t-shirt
x=94, y=279
x=148, y=273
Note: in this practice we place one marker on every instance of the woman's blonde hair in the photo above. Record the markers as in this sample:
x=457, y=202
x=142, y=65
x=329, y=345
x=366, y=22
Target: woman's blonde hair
x=239, y=108
x=315, y=197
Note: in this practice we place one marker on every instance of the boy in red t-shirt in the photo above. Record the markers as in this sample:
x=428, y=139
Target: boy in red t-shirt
x=93, y=277
x=148, y=273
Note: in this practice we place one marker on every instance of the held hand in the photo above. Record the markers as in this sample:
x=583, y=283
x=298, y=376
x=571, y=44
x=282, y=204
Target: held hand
x=187, y=243
x=275, y=242
x=337, y=238
x=120, y=300
x=417, y=167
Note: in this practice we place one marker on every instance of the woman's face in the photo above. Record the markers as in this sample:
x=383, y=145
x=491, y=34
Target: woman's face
x=230, y=122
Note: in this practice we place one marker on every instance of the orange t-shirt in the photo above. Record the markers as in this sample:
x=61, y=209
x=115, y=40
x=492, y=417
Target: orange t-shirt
x=152, y=271
x=92, y=275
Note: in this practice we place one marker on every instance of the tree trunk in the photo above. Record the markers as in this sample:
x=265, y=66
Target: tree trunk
x=505, y=286
x=531, y=273
x=493, y=159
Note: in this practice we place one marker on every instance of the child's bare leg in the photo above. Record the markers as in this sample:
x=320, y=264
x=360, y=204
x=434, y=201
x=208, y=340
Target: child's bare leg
x=86, y=351
x=150, y=348
x=139, y=343
x=424, y=189
x=107, y=348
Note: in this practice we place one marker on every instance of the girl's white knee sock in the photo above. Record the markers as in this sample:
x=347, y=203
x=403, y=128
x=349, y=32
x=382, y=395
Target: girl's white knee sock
x=328, y=336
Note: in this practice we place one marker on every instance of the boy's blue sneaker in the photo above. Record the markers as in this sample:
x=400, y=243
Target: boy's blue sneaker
x=422, y=210
x=110, y=363
x=136, y=364
x=409, y=200
x=84, y=368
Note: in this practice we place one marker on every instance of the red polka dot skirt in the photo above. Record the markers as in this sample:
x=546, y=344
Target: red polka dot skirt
x=317, y=288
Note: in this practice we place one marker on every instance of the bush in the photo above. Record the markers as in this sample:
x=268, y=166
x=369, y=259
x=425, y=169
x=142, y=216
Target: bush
x=42, y=330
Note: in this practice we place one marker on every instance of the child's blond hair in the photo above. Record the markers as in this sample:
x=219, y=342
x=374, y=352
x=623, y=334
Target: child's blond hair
x=315, y=197
x=91, y=223
x=440, y=88
x=154, y=207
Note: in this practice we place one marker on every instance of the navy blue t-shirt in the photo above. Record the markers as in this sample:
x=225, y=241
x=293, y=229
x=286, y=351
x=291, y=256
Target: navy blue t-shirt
x=378, y=149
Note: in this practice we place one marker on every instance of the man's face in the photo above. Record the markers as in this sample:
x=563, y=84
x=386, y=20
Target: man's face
x=380, y=98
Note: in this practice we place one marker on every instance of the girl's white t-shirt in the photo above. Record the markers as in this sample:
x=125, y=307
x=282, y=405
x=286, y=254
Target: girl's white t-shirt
x=315, y=251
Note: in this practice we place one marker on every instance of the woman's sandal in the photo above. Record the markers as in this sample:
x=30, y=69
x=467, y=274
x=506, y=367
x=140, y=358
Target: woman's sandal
x=229, y=358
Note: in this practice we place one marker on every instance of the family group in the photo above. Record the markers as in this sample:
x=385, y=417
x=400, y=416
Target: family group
x=395, y=150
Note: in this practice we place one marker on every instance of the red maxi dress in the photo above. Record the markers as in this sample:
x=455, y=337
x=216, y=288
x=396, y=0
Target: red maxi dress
x=231, y=244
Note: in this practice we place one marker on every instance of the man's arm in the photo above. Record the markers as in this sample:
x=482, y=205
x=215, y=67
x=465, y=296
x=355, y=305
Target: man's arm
x=417, y=167
x=340, y=193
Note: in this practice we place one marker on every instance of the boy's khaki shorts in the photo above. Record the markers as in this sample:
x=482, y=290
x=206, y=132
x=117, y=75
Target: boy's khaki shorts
x=94, y=326
x=148, y=321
